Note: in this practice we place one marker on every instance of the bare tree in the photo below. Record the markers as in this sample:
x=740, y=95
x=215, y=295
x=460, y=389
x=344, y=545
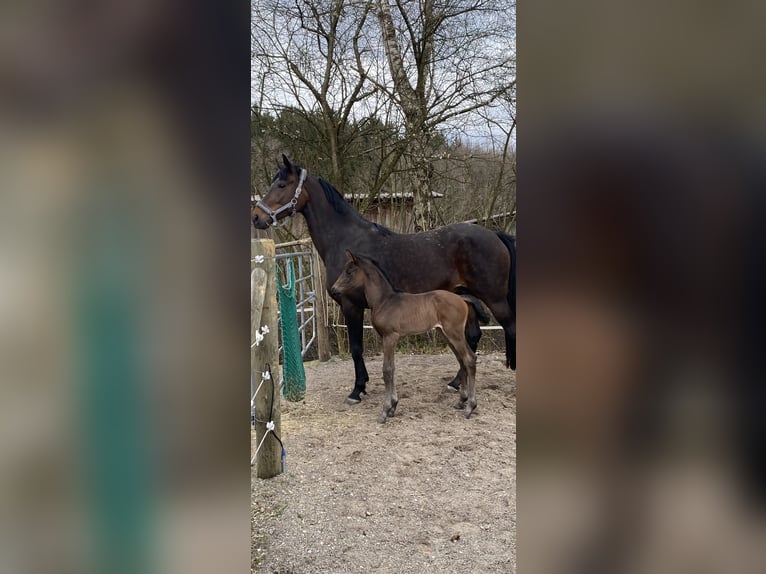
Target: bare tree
x=446, y=59
x=309, y=56
x=375, y=93
x=501, y=123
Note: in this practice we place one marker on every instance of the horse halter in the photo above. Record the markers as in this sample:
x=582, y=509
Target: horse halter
x=289, y=205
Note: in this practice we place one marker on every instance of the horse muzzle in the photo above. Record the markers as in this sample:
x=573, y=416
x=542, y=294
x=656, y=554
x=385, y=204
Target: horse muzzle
x=261, y=221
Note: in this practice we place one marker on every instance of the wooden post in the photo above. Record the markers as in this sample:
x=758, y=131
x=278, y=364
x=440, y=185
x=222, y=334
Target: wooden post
x=320, y=307
x=264, y=309
x=258, y=279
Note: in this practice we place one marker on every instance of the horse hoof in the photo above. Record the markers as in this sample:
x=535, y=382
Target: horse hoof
x=459, y=405
x=382, y=418
x=453, y=389
x=353, y=401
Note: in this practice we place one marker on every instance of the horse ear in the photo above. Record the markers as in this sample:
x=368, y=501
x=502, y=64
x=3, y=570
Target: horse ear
x=350, y=256
x=288, y=165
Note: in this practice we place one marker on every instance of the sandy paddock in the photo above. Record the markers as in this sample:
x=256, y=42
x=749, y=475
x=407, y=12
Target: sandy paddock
x=428, y=491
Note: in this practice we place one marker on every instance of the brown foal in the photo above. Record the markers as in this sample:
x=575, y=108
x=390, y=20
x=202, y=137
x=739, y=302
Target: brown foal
x=395, y=314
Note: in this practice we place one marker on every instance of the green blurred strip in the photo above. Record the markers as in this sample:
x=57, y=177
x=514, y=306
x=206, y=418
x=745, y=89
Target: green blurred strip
x=113, y=415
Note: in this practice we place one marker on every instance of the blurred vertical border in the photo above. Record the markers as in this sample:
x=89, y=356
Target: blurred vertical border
x=124, y=338
x=641, y=402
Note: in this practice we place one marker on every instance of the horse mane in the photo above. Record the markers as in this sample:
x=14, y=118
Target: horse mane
x=334, y=198
x=340, y=205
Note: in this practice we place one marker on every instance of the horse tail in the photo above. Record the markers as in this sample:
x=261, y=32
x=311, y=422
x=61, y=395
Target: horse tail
x=510, y=244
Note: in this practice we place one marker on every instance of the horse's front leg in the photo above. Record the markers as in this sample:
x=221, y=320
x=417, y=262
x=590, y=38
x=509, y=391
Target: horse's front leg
x=354, y=322
x=391, y=398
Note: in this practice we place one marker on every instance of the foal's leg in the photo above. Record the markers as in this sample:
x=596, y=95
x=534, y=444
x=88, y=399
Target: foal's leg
x=472, y=336
x=354, y=322
x=391, y=397
x=470, y=362
x=467, y=360
x=454, y=384
x=460, y=382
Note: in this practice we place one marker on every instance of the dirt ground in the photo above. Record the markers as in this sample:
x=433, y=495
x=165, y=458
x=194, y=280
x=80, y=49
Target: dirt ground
x=428, y=491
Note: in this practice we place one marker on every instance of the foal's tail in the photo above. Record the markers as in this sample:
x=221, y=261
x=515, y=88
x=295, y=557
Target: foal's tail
x=476, y=315
x=473, y=303
x=510, y=341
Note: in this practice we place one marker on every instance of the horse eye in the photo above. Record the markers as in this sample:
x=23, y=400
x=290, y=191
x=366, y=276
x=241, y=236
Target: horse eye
x=282, y=185
x=348, y=271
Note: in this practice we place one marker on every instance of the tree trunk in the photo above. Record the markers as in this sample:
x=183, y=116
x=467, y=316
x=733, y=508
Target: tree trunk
x=413, y=102
x=422, y=189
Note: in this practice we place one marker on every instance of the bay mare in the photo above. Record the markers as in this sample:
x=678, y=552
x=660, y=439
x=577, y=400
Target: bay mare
x=395, y=314
x=460, y=257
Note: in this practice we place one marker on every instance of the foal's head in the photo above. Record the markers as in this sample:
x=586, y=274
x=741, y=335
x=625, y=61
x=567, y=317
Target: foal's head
x=284, y=198
x=362, y=273
x=352, y=277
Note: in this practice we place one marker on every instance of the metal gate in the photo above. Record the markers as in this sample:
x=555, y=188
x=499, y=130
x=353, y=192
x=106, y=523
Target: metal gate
x=302, y=256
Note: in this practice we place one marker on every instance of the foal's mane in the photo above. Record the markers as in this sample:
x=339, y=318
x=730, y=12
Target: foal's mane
x=370, y=260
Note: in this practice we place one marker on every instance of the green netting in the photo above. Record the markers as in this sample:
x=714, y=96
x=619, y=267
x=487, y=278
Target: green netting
x=292, y=368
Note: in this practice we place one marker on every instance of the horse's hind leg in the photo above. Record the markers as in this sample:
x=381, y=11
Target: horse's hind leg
x=391, y=397
x=509, y=326
x=506, y=316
